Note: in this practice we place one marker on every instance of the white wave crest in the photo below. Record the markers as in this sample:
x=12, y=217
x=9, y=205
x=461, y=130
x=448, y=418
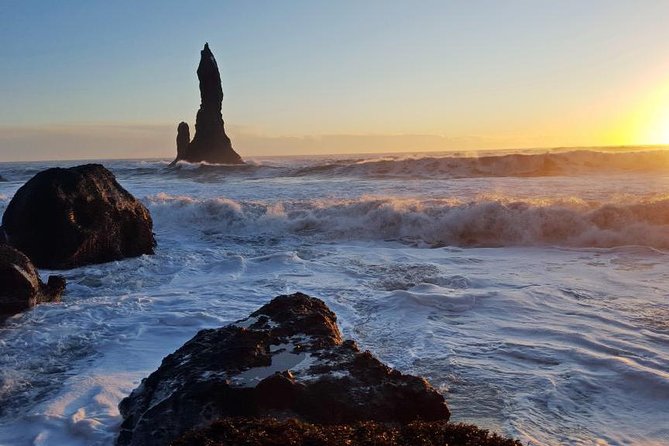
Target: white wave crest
x=512, y=165
x=485, y=222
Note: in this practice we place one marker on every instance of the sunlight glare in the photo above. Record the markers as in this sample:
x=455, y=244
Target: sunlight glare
x=658, y=131
x=652, y=119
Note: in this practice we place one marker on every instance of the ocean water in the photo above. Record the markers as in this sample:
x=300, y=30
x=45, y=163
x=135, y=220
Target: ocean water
x=532, y=289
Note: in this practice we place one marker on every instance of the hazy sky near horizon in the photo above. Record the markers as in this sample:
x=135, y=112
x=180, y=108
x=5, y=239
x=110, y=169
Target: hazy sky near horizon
x=97, y=79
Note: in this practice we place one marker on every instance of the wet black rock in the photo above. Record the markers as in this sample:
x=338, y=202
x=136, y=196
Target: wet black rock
x=183, y=139
x=210, y=143
x=20, y=284
x=272, y=432
x=64, y=218
x=287, y=360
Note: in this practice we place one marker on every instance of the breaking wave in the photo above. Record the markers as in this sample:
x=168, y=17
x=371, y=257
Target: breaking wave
x=512, y=165
x=571, y=163
x=485, y=222
x=552, y=163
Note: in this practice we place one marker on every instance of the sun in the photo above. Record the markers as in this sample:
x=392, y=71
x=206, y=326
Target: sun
x=658, y=131
x=653, y=119
x=648, y=122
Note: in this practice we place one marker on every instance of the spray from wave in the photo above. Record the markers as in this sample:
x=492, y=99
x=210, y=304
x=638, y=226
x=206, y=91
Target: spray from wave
x=512, y=165
x=571, y=163
x=485, y=222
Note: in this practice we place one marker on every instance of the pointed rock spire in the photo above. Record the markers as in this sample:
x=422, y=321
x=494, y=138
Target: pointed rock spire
x=210, y=143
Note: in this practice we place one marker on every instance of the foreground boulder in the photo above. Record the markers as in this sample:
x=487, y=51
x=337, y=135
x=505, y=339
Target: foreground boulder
x=287, y=360
x=64, y=218
x=210, y=143
x=20, y=285
x=272, y=432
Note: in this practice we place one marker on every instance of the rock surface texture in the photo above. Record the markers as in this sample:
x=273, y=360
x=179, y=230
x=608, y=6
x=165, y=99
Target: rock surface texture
x=272, y=432
x=64, y=218
x=210, y=143
x=287, y=360
x=20, y=285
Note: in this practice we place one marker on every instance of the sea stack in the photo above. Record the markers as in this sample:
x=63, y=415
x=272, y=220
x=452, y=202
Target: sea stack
x=183, y=139
x=210, y=143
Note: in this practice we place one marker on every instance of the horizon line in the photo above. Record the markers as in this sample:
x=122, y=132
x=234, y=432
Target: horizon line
x=638, y=147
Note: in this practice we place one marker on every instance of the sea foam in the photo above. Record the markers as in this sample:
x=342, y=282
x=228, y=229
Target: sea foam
x=485, y=222
x=540, y=310
x=449, y=166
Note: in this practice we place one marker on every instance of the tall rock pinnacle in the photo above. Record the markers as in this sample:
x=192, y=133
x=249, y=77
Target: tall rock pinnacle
x=210, y=143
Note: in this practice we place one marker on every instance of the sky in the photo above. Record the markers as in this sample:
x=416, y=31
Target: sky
x=100, y=79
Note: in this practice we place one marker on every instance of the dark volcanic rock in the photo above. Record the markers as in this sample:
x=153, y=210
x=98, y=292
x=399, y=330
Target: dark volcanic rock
x=210, y=142
x=271, y=432
x=183, y=139
x=287, y=360
x=64, y=218
x=20, y=285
